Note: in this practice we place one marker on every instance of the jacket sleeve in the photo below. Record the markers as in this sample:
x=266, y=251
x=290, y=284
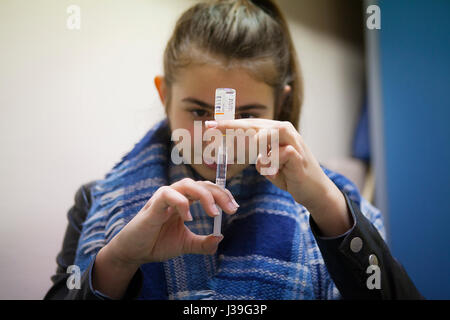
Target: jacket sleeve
x=359, y=258
x=60, y=290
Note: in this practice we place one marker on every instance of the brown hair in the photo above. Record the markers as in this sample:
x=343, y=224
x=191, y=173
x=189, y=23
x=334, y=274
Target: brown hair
x=252, y=34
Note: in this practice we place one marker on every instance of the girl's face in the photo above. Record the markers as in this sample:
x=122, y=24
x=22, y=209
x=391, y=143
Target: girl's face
x=192, y=98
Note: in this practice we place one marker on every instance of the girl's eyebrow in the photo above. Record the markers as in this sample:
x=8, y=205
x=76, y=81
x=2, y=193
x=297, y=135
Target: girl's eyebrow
x=198, y=102
x=238, y=108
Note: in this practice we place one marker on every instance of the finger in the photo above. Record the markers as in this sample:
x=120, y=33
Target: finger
x=170, y=210
x=239, y=124
x=207, y=196
x=287, y=132
x=267, y=162
x=222, y=197
x=290, y=162
x=268, y=169
x=230, y=195
x=197, y=244
x=194, y=191
x=262, y=162
x=263, y=143
x=290, y=158
x=166, y=197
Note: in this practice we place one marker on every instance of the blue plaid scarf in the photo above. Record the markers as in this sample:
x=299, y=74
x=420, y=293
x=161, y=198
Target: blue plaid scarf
x=268, y=252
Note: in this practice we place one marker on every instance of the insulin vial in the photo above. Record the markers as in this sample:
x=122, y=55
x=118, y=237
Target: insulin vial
x=224, y=110
x=225, y=104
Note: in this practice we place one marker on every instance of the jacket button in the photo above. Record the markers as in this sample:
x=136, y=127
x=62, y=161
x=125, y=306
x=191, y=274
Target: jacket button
x=356, y=244
x=373, y=260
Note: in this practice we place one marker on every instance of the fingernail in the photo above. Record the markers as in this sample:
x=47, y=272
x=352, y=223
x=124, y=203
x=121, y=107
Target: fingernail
x=234, y=202
x=232, y=206
x=211, y=124
x=214, y=246
x=214, y=210
x=189, y=216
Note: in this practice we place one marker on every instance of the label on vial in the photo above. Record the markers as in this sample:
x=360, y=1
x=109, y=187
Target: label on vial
x=225, y=104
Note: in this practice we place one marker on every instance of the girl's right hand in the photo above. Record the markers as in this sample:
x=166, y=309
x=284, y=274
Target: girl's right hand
x=158, y=233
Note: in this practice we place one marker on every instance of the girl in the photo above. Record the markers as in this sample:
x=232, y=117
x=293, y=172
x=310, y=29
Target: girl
x=302, y=233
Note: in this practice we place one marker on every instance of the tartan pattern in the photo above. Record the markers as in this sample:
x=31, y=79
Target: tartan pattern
x=268, y=252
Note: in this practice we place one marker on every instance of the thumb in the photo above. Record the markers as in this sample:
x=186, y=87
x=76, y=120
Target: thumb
x=198, y=244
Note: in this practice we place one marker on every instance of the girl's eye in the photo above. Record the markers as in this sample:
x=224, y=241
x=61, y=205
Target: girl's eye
x=247, y=115
x=199, y=113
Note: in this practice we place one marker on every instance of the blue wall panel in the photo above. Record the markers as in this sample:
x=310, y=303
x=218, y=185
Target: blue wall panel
x=415, y=78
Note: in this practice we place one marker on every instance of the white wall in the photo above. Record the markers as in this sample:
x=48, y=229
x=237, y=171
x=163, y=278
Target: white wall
x=73, y=102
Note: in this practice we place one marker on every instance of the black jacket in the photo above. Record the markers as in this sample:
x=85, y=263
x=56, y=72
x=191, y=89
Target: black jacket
x=347, y=258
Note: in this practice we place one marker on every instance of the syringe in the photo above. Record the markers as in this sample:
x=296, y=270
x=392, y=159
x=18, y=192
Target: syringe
x=221, y=178
x=225, y=105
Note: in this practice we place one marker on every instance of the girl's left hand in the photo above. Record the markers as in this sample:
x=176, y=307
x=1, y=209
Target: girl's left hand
x=298, y=172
